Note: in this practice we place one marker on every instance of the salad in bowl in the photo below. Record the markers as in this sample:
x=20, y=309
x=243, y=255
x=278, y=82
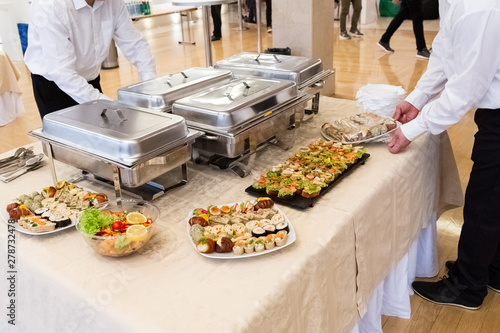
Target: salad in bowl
x=117, y=231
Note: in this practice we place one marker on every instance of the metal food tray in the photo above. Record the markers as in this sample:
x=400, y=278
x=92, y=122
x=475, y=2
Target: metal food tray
x=114, y=132
x=226, y=108
x=307, y=73
x=297, y=69
x=160, y=93
x=235, y=143
x=151, y=167
x=303, y=202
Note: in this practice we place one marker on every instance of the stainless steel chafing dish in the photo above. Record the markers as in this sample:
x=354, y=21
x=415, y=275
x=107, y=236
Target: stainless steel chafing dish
x=239, y=116
x=307, y=73
x=160, y=93
x=127, y=146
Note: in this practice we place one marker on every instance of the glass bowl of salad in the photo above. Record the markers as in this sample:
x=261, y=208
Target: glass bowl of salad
x=118, y=231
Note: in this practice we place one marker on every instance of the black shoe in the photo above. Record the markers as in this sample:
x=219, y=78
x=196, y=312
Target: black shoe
x=385, y=46
x=495, y=286
x=444, y=292
x=424, y=54
x=344, y=35
x=356, y=33
x=214, y=38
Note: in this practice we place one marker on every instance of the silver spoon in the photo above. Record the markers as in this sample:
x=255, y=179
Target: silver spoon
x=13, y=157
x=19, y=173
x=22, y=164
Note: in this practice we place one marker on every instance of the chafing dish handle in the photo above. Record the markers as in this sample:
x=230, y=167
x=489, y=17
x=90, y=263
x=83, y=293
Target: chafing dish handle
x=274, y=56
x=117, y=111
x=170, y=77
x=231, y=87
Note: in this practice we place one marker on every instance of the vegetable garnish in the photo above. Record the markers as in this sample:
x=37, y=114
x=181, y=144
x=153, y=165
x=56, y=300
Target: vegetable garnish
x=92, y=220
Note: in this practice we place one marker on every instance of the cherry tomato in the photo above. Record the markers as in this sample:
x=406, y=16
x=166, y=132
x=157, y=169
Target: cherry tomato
x=116, y=225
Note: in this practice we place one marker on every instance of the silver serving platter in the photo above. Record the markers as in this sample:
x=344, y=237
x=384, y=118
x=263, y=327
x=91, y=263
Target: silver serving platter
x=242, y=140
x=301, y=70
x=225, y=108
x=130, y=175
x=106, y=139
x=113, y=131
x=160, y=93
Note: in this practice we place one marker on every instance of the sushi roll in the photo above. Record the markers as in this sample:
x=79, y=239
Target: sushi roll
x=47, y=214
x=239, y=248
x=61, y=221
x=264, y=222
x=259, y=246
x=259, y=231
x=239, y=228
x=270, y=229
x=281, y=238
x=283, y=226
x=40, y=211
x=250, y=245
x=269, y=242
x=252, y=225
x=277, y=219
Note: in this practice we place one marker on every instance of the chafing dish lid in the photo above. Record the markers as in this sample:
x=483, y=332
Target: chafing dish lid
x=228, y=106
x=297, y=69
x=114, y=131
x=161, y=92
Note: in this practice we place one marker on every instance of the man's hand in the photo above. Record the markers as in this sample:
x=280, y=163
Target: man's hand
x=395, y=2
x=398, y=142
x=405, y=112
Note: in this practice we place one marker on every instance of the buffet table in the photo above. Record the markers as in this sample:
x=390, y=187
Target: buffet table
x=346, y=245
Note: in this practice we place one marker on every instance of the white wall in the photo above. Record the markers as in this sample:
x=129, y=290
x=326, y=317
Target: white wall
x=11, y=13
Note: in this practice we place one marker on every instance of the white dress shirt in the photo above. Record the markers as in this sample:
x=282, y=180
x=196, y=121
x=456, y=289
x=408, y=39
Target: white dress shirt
x=68, y=41
x=464, y=67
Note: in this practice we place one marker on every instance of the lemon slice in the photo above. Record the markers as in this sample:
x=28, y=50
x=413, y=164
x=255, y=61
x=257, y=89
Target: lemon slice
x=205, y=216
x=60, y=184
x=137, y=233
x=136, y=218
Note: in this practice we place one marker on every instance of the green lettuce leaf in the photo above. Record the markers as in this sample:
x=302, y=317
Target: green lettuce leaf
x=93, y=219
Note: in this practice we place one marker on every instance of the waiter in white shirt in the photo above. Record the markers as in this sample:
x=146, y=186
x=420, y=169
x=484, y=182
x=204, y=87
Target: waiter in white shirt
x=67, y=42
x=464, y=69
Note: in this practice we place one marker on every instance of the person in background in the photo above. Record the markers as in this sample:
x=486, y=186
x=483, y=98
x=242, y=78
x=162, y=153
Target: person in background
x=216, y=18
x=356, y=6
x=68, y=40
x=464, y=73
x=251, y=11
x=409, y=9
x=269, y=16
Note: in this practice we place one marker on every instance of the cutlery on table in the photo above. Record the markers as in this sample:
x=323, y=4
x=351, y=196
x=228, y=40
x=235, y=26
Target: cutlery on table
x=6, y=170
x=21, y=172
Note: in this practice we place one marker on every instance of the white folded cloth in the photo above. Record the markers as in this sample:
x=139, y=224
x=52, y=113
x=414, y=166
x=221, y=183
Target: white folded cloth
x=380, y=99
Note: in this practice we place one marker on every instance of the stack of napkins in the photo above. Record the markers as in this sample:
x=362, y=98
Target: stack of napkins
x=380, y=99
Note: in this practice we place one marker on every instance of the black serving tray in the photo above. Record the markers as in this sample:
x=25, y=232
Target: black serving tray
x=302, y=202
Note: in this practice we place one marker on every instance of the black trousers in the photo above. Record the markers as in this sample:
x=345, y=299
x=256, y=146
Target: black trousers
x=269, y=14
x=216, y=9
x=409, y=9
x=479, y=245
x=49, y=97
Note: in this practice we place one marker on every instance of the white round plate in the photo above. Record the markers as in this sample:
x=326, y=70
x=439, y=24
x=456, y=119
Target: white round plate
x=230, y=255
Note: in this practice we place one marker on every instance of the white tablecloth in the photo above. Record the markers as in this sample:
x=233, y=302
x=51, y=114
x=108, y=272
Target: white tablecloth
x=346, y=246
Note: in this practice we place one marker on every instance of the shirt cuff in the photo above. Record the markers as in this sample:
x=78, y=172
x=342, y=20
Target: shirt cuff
x=412, y=129
x=104, y=97
x=417, y=98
